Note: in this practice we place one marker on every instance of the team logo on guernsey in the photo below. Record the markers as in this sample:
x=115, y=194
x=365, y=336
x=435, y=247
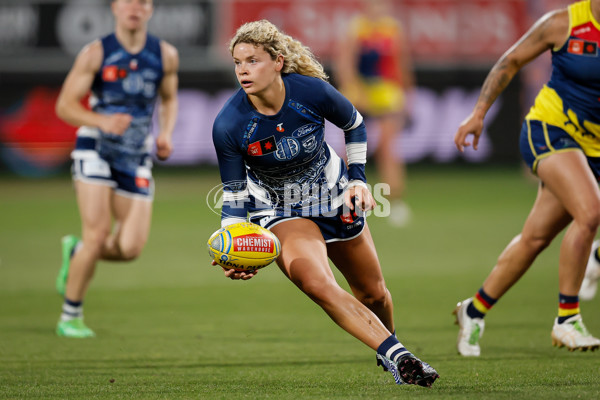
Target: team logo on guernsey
x=287, y=148
x=309, y=144
x=133, y=83
x=280, y=127
x=583, y=47
x=262, y=147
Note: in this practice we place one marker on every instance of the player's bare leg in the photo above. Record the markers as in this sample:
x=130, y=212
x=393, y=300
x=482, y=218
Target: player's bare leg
x=304, y=261
x=357, y=260
x=131, y=229
x=391, y=168
x=572, y=181
x=555, y=206
x=95, y=212
x=547, y=218
x=567, y=174
x=94, y=209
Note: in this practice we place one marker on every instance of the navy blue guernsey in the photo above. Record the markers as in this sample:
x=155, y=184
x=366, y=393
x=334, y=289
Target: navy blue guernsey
x=280, y=164
x=126, y=83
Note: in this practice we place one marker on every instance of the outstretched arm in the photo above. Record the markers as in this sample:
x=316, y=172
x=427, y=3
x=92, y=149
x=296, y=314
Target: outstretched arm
x=548, y=32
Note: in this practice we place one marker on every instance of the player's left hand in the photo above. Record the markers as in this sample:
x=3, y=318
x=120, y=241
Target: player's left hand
x=362, y=198
x=472, y=125
x=236, y=275
x=164, y=147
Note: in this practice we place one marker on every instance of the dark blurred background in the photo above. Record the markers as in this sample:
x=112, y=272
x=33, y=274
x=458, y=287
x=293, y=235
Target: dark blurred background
x=453, y=44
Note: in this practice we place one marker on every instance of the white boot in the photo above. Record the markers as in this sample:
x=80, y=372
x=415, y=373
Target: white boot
x=470, y=330
x=573, y=335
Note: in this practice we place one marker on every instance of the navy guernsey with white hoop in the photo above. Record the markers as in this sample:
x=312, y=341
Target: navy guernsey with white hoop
x=280, y=164
x=126, y=83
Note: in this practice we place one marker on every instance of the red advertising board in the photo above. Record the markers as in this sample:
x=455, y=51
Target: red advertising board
x=438, y=31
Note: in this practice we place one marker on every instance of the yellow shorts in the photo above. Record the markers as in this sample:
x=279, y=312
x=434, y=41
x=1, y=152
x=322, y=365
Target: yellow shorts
x=376, y=98
x=549, y=108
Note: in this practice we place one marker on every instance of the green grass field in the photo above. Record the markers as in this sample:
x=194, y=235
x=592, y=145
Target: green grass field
x=170, y=326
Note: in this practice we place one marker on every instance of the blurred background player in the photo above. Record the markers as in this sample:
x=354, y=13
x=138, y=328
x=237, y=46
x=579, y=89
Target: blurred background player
x=374, y=71
x=560, y=142
x=125, y=72
x=269, y=139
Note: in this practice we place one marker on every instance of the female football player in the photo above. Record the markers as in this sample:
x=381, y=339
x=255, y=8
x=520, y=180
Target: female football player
x=278, y=171
x=126, y=72
x=560, y=142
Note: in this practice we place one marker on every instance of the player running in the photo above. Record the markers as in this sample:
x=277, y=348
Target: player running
x=560, y=142
x=126, y=72
x=276, y=167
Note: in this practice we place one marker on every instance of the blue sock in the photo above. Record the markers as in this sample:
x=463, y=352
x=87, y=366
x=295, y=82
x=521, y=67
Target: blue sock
x=481, y=304
x=75, y=248
x=568, y=306
x=71, y=310
x=392, y=349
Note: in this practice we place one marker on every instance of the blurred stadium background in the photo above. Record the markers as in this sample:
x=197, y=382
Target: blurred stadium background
x=169, y=326
x=453, y=44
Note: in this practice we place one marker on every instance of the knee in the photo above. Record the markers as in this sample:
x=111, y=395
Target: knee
x=130, y=250
x=589, y=219
x=536, y=243
x=374, y=297
x=94, y=239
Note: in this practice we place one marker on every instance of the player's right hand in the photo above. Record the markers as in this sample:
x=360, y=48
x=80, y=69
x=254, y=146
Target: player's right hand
x=115, y=124
x=472, y=125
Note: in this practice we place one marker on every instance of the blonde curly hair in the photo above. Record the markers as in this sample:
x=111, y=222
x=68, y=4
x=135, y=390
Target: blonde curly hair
x=297, y=58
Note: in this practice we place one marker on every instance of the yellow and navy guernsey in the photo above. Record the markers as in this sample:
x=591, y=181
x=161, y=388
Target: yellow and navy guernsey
x=378, y=67
x=571, y=99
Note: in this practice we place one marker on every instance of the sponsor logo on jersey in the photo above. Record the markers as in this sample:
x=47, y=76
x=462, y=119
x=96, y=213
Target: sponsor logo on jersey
x=583, y=47
x=582, y=30
x=348, y=217
x=253, y=242
x=250, y=128
x=112, y=73
x=262, y=147
x=109, y=73
x=304, y=130
x=133, y=64
x=280, y=127
x=142, y=182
